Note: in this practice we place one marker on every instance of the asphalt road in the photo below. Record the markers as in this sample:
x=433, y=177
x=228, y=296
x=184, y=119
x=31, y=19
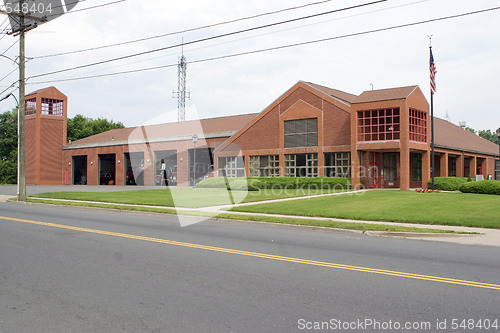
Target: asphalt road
x=105, y=271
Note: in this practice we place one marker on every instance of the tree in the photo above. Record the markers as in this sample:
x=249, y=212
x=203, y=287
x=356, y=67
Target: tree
x=485, y=134
x=8, y=147
x=470, y=130
x=489, y=135
x=80, y=127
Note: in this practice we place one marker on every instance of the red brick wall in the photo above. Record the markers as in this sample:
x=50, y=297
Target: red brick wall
x=51, y=143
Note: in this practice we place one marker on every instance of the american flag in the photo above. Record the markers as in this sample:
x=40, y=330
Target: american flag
x=432, y=69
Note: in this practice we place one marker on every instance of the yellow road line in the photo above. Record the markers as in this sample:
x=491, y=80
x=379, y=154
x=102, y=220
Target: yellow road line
x=266, y=256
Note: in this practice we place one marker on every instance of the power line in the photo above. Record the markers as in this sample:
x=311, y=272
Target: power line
x=207, y=39
x=6, y=76
x=281, y=47
x=15, y=42
x=12, y=85
x=83, y=9
x=250, y=37
x=183, y=31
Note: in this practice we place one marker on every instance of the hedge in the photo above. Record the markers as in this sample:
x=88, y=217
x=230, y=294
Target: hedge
x=258, y=183
x=447, y=183
x=482, y=187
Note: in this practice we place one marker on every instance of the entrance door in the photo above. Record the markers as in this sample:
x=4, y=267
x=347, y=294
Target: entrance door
x=373, y=171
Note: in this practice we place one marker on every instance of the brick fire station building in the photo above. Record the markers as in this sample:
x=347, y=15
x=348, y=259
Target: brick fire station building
x=380, y=138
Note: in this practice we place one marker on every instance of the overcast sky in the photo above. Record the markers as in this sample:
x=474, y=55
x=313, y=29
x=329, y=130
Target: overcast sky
x=466, y=51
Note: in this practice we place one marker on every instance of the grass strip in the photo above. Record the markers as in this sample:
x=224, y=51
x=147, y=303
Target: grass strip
x=258, y=218
x=185, y=197
x=453, y=209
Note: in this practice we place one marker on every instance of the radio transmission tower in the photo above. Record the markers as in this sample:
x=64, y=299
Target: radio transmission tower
x=181, y=94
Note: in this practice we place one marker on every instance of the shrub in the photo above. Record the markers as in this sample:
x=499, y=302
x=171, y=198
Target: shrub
x=234, y=184
x=217, y=182
x=258, y=183
x=482, y=187
x=447, y=183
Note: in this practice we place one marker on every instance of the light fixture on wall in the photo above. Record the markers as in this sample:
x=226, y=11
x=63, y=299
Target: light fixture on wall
x=119, y=161
x=91, y=163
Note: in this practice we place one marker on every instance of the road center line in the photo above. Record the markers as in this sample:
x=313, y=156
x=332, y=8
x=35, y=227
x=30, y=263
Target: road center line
x=265, y=256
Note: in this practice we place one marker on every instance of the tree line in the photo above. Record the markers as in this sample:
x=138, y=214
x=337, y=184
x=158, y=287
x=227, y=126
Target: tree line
x=78, y=127
x=485, y=134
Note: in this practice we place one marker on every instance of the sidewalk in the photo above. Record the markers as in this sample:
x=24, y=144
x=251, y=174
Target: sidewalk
x=488, y=237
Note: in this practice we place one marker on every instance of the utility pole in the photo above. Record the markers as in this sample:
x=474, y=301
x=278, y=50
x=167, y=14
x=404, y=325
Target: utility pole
x=21, y=160
x=21, y=30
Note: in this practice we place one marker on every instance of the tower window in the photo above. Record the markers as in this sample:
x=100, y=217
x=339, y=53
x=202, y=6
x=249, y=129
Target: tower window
x=52, y=107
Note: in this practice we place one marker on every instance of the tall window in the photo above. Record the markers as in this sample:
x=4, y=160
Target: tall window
x=497, y=170
x=418, y=126
x=379, y=125
x=452, y=166
x=52, y=107
x=390, y=167
x=233, y=166
x=338, y=164
x=301, y=165
x=416, y=167
x=30, y=107
x=301, y=133
x=264, y=166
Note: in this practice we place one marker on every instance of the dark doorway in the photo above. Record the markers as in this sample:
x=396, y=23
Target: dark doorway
x=79, y=164
x=204, y=165
x=134, y=168
x=107, y=169
x=166, y=168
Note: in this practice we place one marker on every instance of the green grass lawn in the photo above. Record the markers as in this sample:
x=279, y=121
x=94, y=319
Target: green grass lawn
x=474, y=210
x=271, y=219
x=183, y=197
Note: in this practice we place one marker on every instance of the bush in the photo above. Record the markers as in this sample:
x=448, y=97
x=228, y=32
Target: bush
x=234, y=184
x=447, y=183
x=8, y=172
x=482, y=187
x=258, y=183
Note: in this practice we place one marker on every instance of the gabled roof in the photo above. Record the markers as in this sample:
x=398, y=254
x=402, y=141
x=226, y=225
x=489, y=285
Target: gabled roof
x=346, y=97
x=204, y=128
x=367, y=96
x=43, y=90
x=448, y=135
x=385, y=94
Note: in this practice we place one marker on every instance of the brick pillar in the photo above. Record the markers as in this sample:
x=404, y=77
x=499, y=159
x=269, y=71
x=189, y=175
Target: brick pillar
x=246, y=159
x=282, y=165
x=355, y=170
x=149, y=167
x=473, y=166
x=120, y=169
x=404, y=161
x=444, y=165
x=460, y=166
x=321, y=164
x=426, y=168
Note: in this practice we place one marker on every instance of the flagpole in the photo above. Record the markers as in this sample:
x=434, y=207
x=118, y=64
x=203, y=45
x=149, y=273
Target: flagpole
x=432, y=139
x=433, y=88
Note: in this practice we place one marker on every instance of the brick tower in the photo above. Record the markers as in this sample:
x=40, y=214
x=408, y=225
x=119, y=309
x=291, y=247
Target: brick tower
x=46, y=117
